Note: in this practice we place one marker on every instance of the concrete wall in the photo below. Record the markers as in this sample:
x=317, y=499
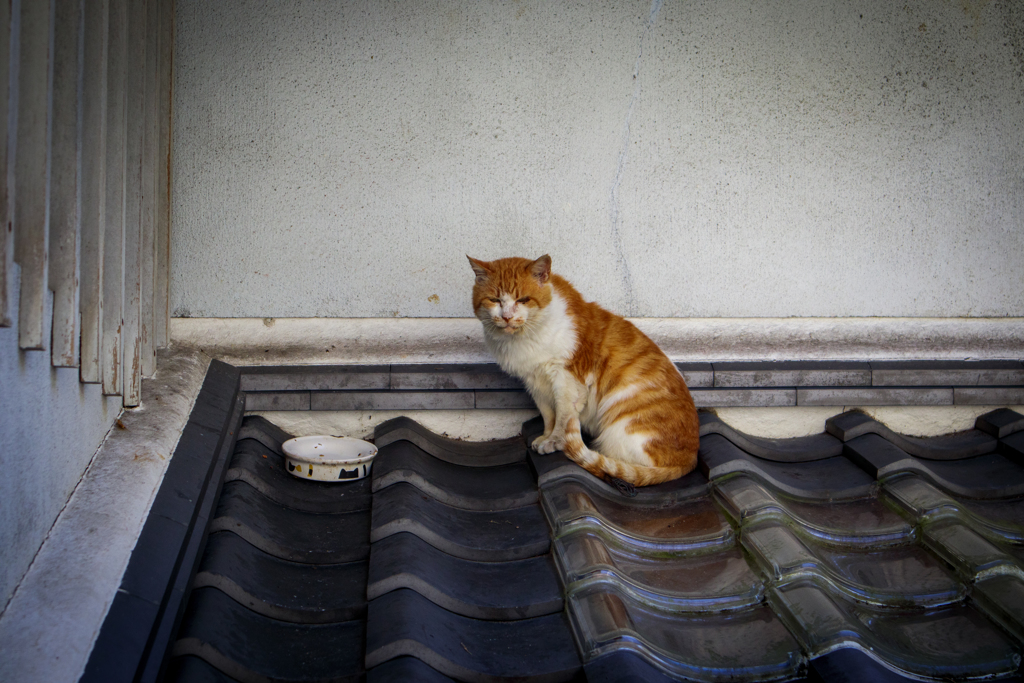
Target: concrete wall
x=51, y=426
x=811, y=158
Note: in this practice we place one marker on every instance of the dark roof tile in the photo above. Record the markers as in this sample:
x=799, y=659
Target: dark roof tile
x=799, y=449
x=191, y=669
x=1012, y=447
x=263, y=469
x=967, y=444
x=284, y=590
x=471, y=454
x=262, y=430
x=1000, y=518
x=499, y=487
x=775, y=559
x=516, y=589
x=405, y=670
x=249, y=646
x=1000, y=423
x=983, y=476
x=403, y=622
x=829, y=479
x=291, y=534
x=470, y=534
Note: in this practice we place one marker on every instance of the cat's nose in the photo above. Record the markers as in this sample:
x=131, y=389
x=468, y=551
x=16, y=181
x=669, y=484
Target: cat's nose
x=506, y=318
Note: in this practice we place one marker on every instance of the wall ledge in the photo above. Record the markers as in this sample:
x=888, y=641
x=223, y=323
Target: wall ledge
x=331, y=341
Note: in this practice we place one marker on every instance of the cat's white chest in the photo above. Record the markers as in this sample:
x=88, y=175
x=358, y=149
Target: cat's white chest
x=533, y=354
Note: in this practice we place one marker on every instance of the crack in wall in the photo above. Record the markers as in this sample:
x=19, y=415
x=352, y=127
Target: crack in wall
x=627, y=278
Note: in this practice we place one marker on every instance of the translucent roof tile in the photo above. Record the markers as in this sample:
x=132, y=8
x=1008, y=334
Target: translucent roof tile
x=750, y=644
x=684, y=525
x=902, y=575
x=857, y=521
x=950, y=641
x=684, y=582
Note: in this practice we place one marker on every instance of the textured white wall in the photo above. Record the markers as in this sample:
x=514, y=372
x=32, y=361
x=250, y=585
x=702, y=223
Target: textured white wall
x=698, y=158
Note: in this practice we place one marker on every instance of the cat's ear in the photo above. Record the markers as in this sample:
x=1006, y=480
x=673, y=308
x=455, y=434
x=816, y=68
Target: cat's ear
x=541, y=268
x=480, y=268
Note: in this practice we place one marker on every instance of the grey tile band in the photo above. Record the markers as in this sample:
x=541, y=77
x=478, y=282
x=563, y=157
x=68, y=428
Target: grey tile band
x=483, y=386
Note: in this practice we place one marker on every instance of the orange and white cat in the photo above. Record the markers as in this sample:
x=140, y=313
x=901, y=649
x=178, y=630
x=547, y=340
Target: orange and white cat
x=585, y=366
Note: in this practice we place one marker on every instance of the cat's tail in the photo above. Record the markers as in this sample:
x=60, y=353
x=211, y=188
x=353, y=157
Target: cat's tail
x=603, y=467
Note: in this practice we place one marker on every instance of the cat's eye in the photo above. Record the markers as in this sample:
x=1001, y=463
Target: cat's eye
x=524, y=300
x=494, y=301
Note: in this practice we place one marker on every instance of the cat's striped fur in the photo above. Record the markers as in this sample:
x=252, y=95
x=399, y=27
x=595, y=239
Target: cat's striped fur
x=586, y=367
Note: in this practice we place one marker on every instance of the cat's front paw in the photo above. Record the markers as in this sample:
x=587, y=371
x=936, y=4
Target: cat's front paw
x=549, y=444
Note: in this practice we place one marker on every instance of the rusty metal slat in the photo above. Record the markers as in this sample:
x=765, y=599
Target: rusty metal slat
x=93, y=185
x=163, y=218
x=149, y=188
x=30, y=170
x=6, y=237
x=113, y=233
x=64, y=184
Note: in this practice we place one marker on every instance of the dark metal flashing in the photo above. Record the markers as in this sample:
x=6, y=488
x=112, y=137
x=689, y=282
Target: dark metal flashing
x=147, y=609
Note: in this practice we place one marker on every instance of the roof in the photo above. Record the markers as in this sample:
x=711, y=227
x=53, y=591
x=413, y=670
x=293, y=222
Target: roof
x=853, y=550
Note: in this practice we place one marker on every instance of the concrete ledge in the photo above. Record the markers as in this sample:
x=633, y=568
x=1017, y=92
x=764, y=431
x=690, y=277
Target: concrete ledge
x=343, y=341
x=50, y=624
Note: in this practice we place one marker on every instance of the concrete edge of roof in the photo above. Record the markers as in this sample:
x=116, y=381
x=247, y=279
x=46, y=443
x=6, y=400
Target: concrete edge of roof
x=51, y=623
x=324, y=341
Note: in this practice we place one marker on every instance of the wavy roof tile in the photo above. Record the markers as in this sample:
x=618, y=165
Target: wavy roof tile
x=856, y=553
